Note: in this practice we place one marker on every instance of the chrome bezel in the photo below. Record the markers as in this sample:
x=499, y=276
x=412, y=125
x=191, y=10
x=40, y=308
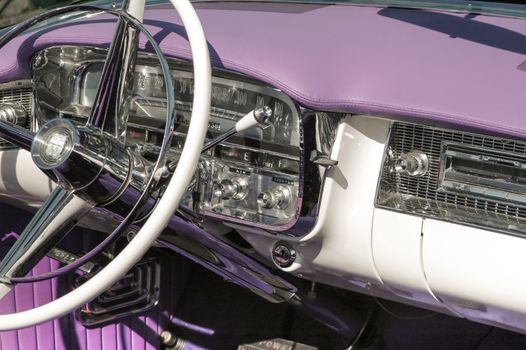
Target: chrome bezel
x=301, y=210
x=463, y=214
x=13, y=86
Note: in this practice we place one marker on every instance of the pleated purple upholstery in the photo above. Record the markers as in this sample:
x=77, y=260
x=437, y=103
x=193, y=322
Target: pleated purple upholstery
x=133, y=333
x=136, y=332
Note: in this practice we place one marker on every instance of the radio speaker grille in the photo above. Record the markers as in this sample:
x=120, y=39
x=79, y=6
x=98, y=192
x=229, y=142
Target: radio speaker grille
x=422, y=195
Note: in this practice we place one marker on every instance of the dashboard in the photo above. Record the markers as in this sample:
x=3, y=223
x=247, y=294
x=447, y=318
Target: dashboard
x=446, y=236
x=253, y=177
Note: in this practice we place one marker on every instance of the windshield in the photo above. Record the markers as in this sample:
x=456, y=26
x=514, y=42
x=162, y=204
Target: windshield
x=15, y=11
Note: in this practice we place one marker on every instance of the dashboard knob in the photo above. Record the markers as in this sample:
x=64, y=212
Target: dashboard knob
x=277, y=197
x=414, y=163
x=235, y=188
x=13, y=113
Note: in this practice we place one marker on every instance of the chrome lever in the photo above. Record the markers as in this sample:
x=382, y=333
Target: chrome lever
x=322, y=159
x=259, y=116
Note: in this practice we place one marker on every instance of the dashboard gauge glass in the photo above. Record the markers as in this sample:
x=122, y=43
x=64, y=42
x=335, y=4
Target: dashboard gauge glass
x=264, y=160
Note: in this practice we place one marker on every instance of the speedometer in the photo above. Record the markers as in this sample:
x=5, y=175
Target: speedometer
x=231, y=100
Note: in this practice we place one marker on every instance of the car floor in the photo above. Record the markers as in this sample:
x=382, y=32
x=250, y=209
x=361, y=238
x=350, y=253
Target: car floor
x=198, y=306
x=239, y=317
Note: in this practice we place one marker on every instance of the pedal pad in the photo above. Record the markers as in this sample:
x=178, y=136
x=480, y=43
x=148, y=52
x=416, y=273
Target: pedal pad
x=136, y=292
x=276, y=344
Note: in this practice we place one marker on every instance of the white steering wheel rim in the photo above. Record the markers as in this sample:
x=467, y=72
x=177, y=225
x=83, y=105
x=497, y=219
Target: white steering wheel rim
x=166, y=207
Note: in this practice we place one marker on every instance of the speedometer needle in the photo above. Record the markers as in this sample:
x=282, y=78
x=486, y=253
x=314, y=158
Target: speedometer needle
x=141, y=107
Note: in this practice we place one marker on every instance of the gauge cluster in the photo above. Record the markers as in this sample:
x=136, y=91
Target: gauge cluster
x=253, y=177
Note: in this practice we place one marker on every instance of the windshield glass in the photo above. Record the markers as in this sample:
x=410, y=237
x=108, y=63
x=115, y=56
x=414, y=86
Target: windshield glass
x=496, y=7
x=15, y=11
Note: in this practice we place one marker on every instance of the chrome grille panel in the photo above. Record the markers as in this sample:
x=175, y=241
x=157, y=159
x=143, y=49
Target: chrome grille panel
x=421, y=195
x=22, y=95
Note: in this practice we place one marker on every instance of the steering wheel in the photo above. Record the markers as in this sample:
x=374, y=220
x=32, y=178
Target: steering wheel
x=92, y=165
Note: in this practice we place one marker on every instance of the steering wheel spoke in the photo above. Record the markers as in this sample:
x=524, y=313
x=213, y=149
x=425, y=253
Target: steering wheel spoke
x=53, y=221
x=109, y=108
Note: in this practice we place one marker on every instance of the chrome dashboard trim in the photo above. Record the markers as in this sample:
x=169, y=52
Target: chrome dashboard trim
x=468, y=209
x=14, y=92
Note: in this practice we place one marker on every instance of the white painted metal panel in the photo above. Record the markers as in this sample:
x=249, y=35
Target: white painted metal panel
x=340, y=245
x=478, y=273
x=397, y=242
x=21, y=182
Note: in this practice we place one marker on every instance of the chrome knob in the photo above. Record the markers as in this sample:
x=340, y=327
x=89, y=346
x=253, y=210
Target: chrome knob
x=235, y=188
x=263, y=114
x=414, y=163
x=267, y=200
x=14, y=114
x=278, y=197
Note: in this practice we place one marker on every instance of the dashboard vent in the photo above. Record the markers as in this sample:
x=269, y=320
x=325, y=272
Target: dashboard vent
x=429, y=195
x=19, y=95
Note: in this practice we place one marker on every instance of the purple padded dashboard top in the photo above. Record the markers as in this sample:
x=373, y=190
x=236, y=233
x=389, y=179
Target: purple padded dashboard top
x=468, y=70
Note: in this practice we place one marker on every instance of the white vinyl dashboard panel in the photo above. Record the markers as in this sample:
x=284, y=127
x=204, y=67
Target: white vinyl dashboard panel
x=478, y=273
